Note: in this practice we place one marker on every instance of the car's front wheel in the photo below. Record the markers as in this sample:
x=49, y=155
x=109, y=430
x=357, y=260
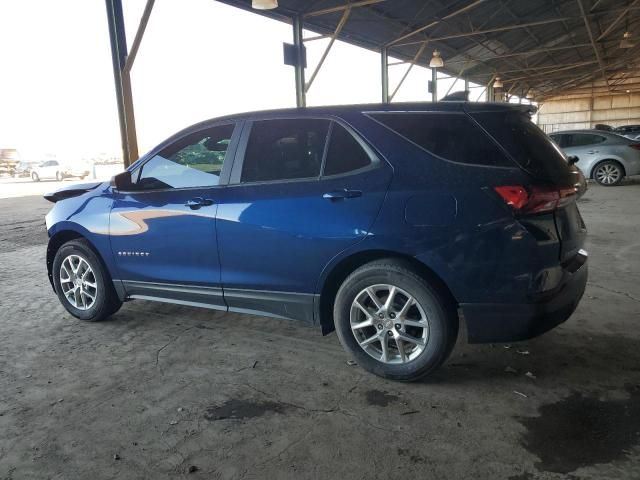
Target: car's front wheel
x=394, y=323
x=608, y=173
x=82, y=284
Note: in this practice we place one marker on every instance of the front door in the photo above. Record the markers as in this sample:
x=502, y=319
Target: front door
x=295, y=201
x=163, y=231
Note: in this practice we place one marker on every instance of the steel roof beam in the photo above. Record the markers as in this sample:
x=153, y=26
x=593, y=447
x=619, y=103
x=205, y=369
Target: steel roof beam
x=531, y=52
x=340, y=8
x=341, y=23
x=415, y=59
x=612, y=25
x=593, y=43
x=435, y=22
x=139, y=34
x=492, y=30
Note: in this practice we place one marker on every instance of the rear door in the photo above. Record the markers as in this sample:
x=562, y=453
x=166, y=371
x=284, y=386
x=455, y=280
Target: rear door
x=585, y=146
x=301, y=191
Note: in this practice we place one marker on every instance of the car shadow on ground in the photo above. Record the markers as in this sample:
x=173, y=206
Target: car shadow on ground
x=584, y=361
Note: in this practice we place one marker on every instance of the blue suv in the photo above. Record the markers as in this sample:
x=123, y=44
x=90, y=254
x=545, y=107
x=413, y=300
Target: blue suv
x=386, y=223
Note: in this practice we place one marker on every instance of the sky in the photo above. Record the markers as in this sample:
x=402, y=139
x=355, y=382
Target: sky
x=199, y=59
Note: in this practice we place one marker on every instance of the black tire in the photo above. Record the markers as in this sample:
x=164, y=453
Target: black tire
x=35, y=177
x=106, y=299
x=613, y=176
x=440, y=311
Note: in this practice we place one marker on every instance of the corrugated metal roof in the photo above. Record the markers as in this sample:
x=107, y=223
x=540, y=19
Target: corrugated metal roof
x=549, y=46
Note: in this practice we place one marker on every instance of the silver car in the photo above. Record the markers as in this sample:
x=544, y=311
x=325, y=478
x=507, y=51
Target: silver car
x=604, y=156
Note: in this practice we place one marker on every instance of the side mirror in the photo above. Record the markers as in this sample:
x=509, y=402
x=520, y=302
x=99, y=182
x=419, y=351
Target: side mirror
x=122, y=181
x=572, y=159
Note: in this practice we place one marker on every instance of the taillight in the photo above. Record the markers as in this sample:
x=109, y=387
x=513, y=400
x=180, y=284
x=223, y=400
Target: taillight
x=635, y=145
x=535, y=199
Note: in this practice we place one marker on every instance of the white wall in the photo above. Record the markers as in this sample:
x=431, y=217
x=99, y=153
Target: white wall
x=590, y=104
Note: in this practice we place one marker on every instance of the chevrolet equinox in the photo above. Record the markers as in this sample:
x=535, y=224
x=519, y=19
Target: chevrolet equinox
x=386, y=223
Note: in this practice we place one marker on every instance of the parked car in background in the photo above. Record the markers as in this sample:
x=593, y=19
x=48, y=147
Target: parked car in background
x=47, y=170
x=9, y=159
x=54, y=170
x=603, y=156
x=603, y=127
x=23, y=169
x=78, y=169
x=378, y=221
x=629, y=131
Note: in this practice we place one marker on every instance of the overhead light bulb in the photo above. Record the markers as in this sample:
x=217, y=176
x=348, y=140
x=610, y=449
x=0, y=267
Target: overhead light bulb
x=497, y=83
x=436, y=60
x=626, y=41
x=264, y=4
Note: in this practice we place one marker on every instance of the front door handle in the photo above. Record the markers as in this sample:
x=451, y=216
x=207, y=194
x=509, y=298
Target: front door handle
x=197, y=202
x=592, y=151
x=342, y=194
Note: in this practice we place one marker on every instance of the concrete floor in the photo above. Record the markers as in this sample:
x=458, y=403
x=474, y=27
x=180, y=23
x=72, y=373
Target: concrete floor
x=167, y=392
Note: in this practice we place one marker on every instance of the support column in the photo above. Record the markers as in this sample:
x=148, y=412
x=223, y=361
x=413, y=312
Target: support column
x=466, y=88
x=301, y=97
x=434, y=84
x=122, y=81
x=384, y=74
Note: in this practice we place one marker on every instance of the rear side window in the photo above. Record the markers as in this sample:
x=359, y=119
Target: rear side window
x=450, y=136
x=583, y=139
x=526, y=143
x=561, y=140
x=284, y=149
x=345, y=153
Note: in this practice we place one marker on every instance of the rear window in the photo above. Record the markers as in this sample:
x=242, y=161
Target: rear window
x=345, y=154
x=526, y=143
x=452, y=136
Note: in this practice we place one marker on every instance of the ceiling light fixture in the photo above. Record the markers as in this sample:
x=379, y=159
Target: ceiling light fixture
x=436, y=60
x=627, y=41
x=264, y=4
x=497, y=83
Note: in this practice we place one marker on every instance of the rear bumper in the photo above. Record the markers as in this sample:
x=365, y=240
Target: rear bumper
x=514, y=322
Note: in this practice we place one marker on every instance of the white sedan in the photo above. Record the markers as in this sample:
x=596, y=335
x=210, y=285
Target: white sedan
x=52, y=169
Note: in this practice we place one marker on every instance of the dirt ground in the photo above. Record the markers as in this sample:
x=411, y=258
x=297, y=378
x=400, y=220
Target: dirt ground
x=163, y=391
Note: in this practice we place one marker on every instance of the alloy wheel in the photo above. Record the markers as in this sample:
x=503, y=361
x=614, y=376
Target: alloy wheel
x=608, y=174
x=389, y=324
x=78, y=282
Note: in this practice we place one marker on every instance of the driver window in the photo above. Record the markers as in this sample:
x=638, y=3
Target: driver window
x=193, y=161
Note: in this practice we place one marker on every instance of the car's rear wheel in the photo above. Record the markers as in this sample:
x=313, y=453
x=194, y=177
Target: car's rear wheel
x=35, y=177
x=608, y=173
x=394, y=323
x=82, y=284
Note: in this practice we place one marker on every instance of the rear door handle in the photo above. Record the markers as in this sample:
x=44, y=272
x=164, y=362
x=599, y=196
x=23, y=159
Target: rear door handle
x=197, y=202
x=342, y=194
x=592, y=151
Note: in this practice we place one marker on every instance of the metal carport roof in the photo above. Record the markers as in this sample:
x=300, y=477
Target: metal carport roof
x=545, y=45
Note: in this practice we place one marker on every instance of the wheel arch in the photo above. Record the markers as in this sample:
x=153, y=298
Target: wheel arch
x=61, y=237
x=342, y=269
x=600, y=162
